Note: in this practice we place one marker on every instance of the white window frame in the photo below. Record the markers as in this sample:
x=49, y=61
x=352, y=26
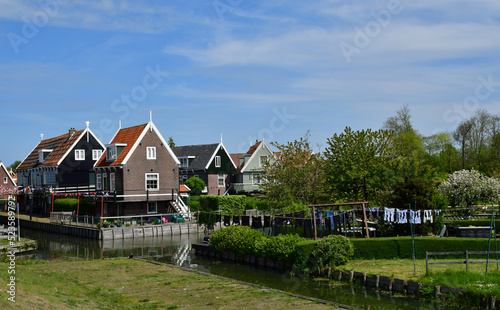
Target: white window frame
x=98, y=181
x=112, y=181
x=152, y=204
x=5, y=180
x=151, y=152
x=96, y=154
x=157, y=188
x=217, y=161
x=111, y=153
x=80, y=154
x=221, y=177
x=256, y=179
x=262, y=160
x=104, y=181
x=184, y=162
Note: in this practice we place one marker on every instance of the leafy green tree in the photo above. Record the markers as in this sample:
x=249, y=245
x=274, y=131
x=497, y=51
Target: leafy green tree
x=295, y=176
x=355, y=163
x=171, y=142
x=406, y=138
x=14, y=165
x=195, y=184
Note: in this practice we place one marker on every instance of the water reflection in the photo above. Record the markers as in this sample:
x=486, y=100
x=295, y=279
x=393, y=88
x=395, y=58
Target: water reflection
x=177, y=250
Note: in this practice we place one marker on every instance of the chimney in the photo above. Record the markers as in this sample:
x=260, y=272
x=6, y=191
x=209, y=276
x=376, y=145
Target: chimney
x=71, y=132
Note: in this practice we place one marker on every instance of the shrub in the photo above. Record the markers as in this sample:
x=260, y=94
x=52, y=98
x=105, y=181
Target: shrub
x=280, y=248
x=234, y=205
x=195, y=184
x=303, y=250
x=401, y=248
x=239, y=240
x=333, y=250
x=71, y=204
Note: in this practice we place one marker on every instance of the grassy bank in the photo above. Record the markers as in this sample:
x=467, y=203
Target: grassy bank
x=449, y=275
x=130, y=284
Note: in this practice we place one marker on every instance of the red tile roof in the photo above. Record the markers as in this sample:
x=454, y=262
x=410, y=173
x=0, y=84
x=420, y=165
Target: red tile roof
x=183, y=188
x=253, y=148
x=125, y=135
x=63, y=147
x=59, y=145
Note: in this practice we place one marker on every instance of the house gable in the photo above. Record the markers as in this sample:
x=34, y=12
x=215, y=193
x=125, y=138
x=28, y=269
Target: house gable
x=226, y=164
x=5, y=177
x=253, y=162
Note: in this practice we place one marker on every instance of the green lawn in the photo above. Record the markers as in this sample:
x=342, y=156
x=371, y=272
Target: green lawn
x=131, y=284
x=451, y=275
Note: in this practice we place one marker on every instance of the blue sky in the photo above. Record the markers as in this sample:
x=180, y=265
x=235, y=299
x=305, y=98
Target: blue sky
x=244, y=69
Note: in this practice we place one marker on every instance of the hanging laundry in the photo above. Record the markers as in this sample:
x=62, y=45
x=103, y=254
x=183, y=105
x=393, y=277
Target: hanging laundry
x=401, y=216
x=218, y=218
x=412, y=217
x=428, y=216
x=245, y=220
x=256, y=222
x=227, y=220
x=389, y=215
x=267, y=221
x=329, y=218
x=418, y=217
x=236, y=220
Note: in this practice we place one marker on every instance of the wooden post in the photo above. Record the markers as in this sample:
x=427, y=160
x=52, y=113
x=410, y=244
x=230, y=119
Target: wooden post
x=426, y=262
x=365, y=219
x=77, y=206
x=102, y=209
x=314, y=223
x=466, y=260
x=52, y=202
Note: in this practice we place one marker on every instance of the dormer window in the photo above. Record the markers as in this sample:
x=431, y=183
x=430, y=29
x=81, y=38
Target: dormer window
x=114, y=150
x=184, y=161
x=111, y=153
x=217, y=161
x=42, y=154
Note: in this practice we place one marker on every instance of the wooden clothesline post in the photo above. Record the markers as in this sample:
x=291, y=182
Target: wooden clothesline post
x=363, y=204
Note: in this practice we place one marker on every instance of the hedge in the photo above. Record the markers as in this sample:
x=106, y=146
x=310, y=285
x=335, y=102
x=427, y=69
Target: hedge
x=401, y=248
x=71, y=204
x=233, y=205
x=476, y=223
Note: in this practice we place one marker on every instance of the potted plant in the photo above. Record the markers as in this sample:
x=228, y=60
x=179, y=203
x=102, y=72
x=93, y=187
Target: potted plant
x=105, y=224
x=118, y=223
x=133, y=222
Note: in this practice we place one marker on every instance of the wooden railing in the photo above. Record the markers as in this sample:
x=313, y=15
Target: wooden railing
x=466, y=261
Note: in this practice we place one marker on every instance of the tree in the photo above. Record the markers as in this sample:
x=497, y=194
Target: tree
x=14, y=165
x=466, y=187
x=355, y=162
x=195, y=184
x=171, y=142
x=481, y=123
x=295, y=176
x=406, y=138
x=462, y=136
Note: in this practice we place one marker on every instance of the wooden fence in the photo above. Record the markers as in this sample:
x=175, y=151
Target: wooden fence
x=466, y=261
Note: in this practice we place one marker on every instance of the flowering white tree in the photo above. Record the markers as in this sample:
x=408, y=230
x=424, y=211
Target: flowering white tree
x=464, y=188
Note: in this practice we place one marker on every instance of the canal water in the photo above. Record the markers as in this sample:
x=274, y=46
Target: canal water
x=177, y=250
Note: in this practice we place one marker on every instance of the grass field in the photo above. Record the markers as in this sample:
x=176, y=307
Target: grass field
x=131, y=284
x=451, y=275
